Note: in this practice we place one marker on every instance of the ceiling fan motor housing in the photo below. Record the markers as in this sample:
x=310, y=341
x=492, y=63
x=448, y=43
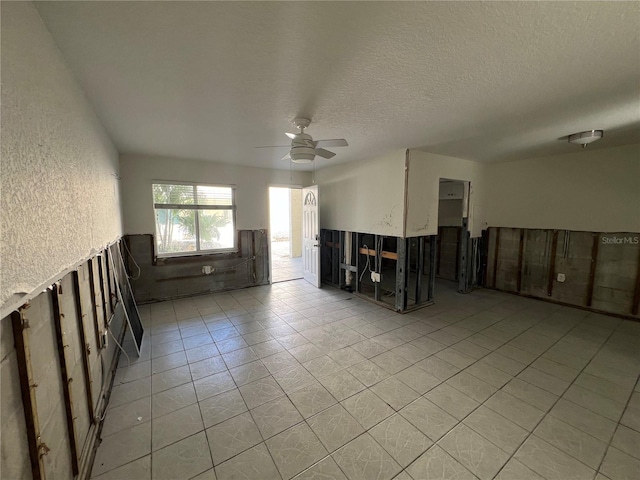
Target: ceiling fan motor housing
x=302, y=148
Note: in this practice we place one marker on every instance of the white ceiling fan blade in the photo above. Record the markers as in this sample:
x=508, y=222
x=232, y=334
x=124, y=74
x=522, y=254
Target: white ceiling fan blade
x=287, y=156
x=333, y=142
x=291, y=135
x=324, y=153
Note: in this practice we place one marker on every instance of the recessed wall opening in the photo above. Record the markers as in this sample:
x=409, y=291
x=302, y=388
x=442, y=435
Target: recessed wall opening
x=285, y=233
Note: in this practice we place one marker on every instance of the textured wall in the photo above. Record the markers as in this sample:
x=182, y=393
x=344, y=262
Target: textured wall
x=425, y=172
x=60, y=198
x=591, y=190
x=252, y=187
x=365, y=197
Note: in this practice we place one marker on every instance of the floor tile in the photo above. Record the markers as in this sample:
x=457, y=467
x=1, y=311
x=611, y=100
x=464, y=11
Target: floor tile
x=345, y=357
x=232, y=436
x=295, y=449
x=395, y=393
x=471, y=386
x=589, y=450
x=206, y=367
x=170, y=378
x=249, y=372
x=438, y=368
x=261, y=391
x=175, y=426
x=126, y=416
x=498, y=430
x=627, y=440
x=173, y=399
x=325, y=469
x=617, y=465
x=514, y=470
x=239, y=357
x=391, y=362
x=452, y=401
x=122, y=447
x=275, y=416
x=543, y=380
x=250, y=465
x=312, y=399
x=182, y=460
x=487, y=373
x=138, y=469
x=222, y=407
x=213, y=385
x=436, y=464
x=596, y=403
x=589, y=422
x=514, y=409
x=322, y=366
x=428, y=418
x=368, y=373
x=473, y=451
x=341, y=385
x=162, y=364
x=527, y=392
x=418, y=379
x=364, y=459
x=403, y=441
x=551, y=463
x=335, y=427
x=293, y=378
x=367, y=408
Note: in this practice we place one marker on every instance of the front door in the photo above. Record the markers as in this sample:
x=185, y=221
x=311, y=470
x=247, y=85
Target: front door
x=311, y=235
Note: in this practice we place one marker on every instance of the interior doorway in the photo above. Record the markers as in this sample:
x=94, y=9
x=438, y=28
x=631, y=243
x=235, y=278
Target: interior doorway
x=453, y=236
x=285, y=233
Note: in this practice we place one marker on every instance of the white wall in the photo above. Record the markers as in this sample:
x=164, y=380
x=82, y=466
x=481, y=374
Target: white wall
x=366, y=196
x=590, y=190
x=252, y=187
x=425, y=172
x=60, y=199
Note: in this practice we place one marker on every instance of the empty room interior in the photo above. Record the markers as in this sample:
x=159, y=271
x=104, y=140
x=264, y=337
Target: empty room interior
x=320, y=240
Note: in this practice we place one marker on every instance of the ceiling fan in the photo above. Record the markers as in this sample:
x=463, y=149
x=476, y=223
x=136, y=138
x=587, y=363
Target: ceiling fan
x=303, y=148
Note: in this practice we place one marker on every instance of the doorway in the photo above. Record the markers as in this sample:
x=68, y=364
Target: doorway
x=285, y=233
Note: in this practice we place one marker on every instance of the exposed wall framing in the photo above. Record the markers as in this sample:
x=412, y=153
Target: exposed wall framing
x=405, y=267
x=56, y=389
x=164, y=278
x=594, y=270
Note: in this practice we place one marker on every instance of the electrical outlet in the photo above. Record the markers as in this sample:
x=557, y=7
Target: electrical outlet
x=562, y=277
x=208, y=269
x=375, y=277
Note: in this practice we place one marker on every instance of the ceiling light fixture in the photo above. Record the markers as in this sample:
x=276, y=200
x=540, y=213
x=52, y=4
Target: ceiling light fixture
x=585, y=138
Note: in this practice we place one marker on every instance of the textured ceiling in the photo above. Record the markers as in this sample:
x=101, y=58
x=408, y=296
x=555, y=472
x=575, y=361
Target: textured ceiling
x=482, y=81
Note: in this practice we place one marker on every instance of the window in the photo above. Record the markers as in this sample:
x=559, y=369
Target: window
x=193, y=218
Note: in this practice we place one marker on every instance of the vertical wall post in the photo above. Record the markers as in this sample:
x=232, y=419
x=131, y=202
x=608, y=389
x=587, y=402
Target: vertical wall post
x=592, y=272
x=552, y=263
x=28, y=391
x=401, y=274
x=86, y=348
x=94, y=305
x=495, y=258
x=432, y=266
x=65, y=378
x=520, y=261
x=377, y=263
x=419, y=269
x=462, y=259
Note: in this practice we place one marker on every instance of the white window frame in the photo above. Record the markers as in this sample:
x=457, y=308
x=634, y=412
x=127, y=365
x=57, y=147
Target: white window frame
x=195, y=206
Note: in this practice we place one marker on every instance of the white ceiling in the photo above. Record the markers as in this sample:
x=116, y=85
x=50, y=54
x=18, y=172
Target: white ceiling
x=482, y=81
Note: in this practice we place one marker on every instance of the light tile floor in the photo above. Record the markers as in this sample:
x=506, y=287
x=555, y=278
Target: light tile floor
x=289, y=381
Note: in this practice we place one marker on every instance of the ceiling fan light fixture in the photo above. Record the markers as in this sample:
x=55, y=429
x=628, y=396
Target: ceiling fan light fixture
x=302, y=154
x=587, y=137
